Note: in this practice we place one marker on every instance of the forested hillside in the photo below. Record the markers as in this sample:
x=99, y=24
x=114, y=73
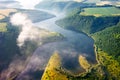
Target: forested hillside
x=9, y=48
x=105, y=30
x=87, y=24
x=108, y=40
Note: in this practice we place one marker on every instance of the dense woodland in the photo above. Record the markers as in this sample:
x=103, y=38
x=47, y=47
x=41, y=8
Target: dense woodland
x=106, y=33
x=104, y=30
x=108, y=40
x=10, y=51
x=87, y=24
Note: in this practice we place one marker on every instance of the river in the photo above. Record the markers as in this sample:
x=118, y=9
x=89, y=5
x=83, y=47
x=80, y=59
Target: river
x=69, y=49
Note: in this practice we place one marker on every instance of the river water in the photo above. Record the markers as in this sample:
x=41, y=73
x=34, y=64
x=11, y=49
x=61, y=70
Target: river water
x=69, y=49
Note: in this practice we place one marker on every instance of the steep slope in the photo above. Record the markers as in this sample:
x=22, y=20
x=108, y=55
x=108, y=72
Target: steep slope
x=90, y=23
x=11, y=55
x=87, y=24
x=52, y=69
x=106, y=33
x=108, y=40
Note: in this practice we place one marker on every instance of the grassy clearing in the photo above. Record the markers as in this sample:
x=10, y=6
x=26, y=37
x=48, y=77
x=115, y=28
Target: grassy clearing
x=3, y=27
x=101, y=11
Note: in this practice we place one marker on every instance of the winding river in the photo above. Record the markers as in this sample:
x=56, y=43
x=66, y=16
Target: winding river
x=69, y=49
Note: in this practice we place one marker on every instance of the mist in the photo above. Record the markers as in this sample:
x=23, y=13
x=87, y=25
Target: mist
x=68, y=49
x=27, y=4
x=28, y=32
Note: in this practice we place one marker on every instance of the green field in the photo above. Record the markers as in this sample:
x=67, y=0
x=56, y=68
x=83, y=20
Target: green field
x=101, y=11
x=3, y=27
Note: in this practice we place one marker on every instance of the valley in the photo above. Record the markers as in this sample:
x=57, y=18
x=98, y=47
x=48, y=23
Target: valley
x=60, y=40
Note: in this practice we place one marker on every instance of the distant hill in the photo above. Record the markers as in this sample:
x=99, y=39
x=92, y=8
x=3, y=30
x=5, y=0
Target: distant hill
x=9, y=4
x=87, y=24
x=36, y=15
x=9, y=49
x=106, y=33
x=61, y=5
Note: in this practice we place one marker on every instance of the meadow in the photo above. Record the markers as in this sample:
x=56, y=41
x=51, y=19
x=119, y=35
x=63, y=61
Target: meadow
x=101, y=11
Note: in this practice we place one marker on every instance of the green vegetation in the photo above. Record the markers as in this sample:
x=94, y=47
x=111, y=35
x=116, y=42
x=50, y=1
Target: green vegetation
x=6, y=12
x=107, y=69
x=3, y=27
x=101, y=11
x=51, y=71
x=8, y=45
x=111, y=65
x=106, y=33
x=9, y=49
x=104, y=30
x=107, y=54
x=87, y=24
x=109, y=40
x=84, y=63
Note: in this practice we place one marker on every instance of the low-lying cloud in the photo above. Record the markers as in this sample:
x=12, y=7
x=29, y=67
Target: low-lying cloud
x=28, y=32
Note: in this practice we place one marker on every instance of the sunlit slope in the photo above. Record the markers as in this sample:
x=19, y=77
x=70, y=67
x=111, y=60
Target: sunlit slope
x=108, y=68
x=111, y=65
x=84, y=63
x=107, y=51
x=51, y=71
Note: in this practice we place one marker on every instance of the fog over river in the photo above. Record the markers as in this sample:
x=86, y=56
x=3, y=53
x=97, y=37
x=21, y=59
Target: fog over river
x=69, y=49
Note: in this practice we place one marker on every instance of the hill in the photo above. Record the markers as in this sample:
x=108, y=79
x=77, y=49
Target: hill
x=62, y=6
x=108, y=40
x=9, y=49
x=87, y=24
x=52, y=69
x=106, y=33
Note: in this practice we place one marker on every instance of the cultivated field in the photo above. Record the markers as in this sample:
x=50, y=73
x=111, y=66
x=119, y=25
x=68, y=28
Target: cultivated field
x=101, y=11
